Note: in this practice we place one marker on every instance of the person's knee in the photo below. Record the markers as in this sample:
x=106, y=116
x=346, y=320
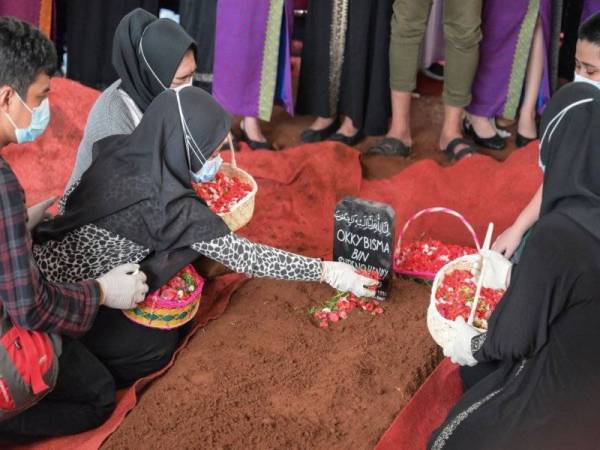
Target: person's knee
x=463, y=37
x=407, y=31
x=103, y=405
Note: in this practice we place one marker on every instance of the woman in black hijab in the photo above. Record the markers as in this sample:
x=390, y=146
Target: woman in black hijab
x=544, y=335
x=149, y=55
x=136, y=203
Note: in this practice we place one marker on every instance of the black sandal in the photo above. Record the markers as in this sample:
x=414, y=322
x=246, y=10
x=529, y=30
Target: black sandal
x=390, y=147
x=469, y=150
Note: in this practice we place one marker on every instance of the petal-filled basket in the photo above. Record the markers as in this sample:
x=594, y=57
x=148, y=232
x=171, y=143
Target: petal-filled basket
x=426, y=272
x=441, y=329
x=241, y=213
x=159, y=312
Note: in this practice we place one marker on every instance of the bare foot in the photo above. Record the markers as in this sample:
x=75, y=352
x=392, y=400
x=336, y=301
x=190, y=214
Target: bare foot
x=251, y=127
x=483, y=126
x=347, y=128
x=322, y=122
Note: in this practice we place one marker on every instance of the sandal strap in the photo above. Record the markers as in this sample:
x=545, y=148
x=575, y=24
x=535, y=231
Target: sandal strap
x=470, y=149
x=390, y=146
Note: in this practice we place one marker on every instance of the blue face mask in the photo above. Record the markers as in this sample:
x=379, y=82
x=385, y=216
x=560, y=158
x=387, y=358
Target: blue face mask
x=208, y=171
x=40, y=116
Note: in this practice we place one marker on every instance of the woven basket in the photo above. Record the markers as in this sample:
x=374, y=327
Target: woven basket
x=157, y=312
x=441, y=329
x=241, y=212
x=437, y=209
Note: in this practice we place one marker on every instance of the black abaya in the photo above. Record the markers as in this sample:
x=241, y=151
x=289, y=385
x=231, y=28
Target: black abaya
x=90, y=26
x=545, y=333
x=345, y=62
x=198, y=18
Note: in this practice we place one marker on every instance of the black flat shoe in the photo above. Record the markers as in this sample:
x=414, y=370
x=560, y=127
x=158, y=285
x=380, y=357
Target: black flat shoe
x=256, y=145
x=522, y=141
x=495, y=142
x=309, y=135
x=350, y=141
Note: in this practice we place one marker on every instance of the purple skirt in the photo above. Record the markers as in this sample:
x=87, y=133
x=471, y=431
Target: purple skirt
x=252, y=68
x=504, y=54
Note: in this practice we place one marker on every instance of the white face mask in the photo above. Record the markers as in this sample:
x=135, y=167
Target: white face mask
x=581, y=79
x=210, y=167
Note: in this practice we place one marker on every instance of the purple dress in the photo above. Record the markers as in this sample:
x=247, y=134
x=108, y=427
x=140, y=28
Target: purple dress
x=35, y=12
x=589, y=7
x=252, y=68
x=507, y=37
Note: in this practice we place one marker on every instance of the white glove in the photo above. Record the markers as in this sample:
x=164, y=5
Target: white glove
x=497, y=269
x=459, y=350
x=38, y=212
x=124, y=286
x=344, y=278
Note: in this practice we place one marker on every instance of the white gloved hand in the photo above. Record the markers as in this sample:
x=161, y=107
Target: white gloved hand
x=459, y=349
x=497, y=269
x=124, y=286
x=344, y=278
x=38, y=212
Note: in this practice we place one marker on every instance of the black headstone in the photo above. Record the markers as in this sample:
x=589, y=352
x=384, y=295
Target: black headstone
x=364, y=237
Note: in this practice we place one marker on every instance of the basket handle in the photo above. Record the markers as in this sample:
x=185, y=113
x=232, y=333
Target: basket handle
x=438, y=209
x=486, y=245
x=233, y=161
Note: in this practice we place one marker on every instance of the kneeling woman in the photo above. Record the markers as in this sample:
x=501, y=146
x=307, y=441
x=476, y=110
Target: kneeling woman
x=543, y=339
x=136, y=204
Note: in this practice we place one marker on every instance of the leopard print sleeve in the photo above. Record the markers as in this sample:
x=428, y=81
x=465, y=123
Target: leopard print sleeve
x=257, y=260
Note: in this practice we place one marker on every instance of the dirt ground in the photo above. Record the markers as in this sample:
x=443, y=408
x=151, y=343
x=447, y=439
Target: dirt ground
x=264, y=376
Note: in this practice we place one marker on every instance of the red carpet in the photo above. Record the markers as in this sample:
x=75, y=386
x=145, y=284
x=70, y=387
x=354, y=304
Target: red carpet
x=298, y=189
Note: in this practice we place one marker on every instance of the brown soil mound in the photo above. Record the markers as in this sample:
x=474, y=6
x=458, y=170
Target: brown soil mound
x=264, y=376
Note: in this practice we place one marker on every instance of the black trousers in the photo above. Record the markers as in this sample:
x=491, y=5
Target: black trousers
x=83, y=398
x=130, y=351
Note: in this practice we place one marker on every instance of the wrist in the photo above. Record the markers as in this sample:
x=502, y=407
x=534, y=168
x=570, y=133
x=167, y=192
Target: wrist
x=101, y=289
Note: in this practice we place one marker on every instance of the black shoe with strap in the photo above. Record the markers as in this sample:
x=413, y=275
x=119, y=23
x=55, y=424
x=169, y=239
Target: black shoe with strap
x=390, y=146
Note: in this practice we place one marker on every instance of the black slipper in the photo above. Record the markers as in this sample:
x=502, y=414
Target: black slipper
x=350, y=141
x=309, y=135
x=390, y=146
x=469, y=150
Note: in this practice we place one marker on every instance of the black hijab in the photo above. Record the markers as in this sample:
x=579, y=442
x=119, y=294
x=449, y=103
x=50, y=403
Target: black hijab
x=139, y=185
x=163, y=45
x=570, y=151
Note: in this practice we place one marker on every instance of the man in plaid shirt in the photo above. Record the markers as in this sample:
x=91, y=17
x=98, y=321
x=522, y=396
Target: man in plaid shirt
x=83, y=396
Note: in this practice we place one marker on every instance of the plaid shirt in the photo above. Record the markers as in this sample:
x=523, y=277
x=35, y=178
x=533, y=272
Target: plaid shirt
x=30, y=300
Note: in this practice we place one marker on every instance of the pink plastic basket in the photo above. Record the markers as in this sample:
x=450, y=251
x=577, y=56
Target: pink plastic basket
x=158, y=312
x=436, y=209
